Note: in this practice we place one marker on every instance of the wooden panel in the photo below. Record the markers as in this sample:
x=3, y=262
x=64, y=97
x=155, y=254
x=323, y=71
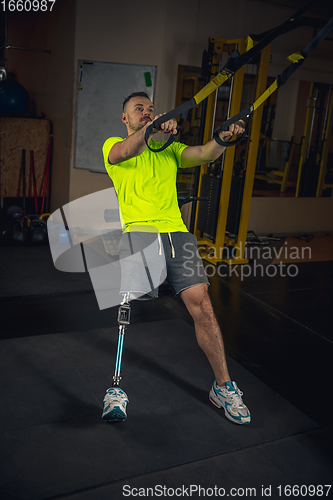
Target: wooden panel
x=17, y=134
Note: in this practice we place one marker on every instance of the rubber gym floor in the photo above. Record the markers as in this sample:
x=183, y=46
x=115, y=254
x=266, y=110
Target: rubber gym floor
x=57, y=360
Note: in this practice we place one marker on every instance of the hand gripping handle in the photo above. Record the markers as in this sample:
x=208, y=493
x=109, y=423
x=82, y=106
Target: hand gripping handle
x=156, y=125
x=181, y=110
x=225, y=126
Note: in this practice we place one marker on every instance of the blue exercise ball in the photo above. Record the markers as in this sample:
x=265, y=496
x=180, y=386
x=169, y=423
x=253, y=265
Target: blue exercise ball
x=14, y=99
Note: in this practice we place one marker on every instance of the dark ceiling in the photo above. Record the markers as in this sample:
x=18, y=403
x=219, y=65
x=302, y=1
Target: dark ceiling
x=322, y=7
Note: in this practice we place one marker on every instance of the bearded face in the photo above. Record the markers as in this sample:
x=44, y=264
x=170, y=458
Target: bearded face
x=138, y=112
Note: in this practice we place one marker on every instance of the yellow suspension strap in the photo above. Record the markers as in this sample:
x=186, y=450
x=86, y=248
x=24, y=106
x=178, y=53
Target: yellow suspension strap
x=234, y=63
x=297, y=59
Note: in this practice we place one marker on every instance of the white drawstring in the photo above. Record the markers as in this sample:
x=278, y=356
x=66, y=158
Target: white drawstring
x=160, y=244
x=173, y=254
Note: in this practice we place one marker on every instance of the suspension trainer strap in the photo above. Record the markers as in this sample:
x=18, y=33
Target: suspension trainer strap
x=235, y=62
x=265, y=39
x=297, y=59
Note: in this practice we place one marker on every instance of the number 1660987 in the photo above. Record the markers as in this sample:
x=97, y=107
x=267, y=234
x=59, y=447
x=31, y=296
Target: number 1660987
x=27, y=5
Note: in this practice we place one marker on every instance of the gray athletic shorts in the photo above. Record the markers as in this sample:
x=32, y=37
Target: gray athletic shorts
x=147, y=259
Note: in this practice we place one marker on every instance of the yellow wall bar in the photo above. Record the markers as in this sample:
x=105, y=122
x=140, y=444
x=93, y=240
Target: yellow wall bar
x=252, y=155
x=229, y=157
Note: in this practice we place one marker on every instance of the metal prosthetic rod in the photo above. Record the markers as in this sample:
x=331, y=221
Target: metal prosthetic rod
x=124, y=313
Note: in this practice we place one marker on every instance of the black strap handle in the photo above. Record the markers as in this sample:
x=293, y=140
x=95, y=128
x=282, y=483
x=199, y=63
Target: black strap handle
x=181, y=110
x=225, y=126
x=228, y=144
x=172, y=137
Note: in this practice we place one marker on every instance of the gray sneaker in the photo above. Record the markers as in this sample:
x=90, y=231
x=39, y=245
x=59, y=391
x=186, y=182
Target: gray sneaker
x=230, y=398
x=115, y=402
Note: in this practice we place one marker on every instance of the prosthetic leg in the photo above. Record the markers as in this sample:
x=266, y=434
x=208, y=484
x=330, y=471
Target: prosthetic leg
x=134, y=267
x=124, y=313
x=115, y=401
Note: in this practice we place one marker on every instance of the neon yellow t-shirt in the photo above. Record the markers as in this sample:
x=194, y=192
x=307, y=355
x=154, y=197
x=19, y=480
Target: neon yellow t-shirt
x=146, y=187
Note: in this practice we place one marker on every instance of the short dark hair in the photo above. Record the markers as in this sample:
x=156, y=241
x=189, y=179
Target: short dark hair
x=135, y=94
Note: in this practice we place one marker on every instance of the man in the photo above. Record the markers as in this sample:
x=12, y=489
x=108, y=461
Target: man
x=145, y=183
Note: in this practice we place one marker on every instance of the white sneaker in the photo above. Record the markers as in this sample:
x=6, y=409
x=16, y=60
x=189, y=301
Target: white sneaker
x=230, y=398
x=115, y=402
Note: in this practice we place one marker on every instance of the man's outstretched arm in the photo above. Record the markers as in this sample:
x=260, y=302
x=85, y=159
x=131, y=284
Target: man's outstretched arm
x=193, y=156
x=132, y=146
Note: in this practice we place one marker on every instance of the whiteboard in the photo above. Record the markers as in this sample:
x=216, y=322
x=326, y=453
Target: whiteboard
x=101, y=89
